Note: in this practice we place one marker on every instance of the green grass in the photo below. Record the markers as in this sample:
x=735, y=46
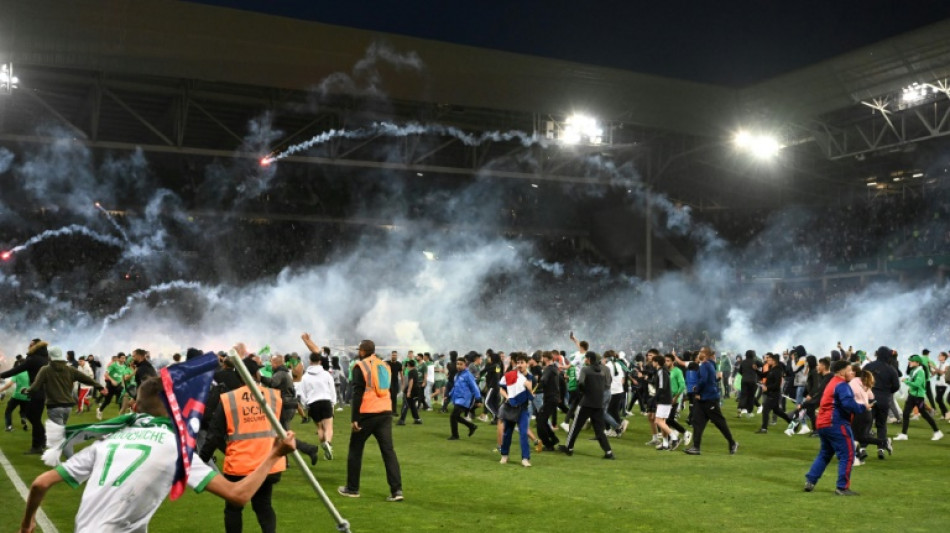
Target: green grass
x=459, y=486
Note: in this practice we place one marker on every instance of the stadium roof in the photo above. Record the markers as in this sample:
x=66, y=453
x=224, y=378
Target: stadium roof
x=193, y=41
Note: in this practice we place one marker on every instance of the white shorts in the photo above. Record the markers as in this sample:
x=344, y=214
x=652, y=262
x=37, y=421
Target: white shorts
x=663, y=410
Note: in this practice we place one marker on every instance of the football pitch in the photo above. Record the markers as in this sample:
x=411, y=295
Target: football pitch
x=460, y=486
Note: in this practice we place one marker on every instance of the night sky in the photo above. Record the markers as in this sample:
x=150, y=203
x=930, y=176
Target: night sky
x=726, y=42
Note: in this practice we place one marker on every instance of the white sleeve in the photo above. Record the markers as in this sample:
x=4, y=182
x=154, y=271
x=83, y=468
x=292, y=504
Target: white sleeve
x=78, y=468
x=200, y=475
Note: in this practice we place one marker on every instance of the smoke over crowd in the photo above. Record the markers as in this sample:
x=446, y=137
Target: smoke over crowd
x=104, y=258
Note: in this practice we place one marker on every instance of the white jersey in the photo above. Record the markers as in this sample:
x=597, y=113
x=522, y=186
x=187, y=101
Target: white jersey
x=129, y=474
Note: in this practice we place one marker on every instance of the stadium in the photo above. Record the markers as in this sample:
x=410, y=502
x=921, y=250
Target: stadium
x=182, y=174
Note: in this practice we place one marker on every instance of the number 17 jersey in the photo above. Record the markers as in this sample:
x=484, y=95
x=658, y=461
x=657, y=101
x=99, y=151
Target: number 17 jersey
x=127, y=477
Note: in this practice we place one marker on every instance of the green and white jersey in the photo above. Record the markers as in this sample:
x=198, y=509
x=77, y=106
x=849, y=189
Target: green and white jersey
x=127, y=477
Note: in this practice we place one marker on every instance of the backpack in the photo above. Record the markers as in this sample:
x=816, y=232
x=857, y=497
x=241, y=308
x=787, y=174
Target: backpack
x=377, y=374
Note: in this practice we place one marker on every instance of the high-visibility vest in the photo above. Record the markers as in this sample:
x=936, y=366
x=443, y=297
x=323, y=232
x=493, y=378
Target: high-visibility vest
x=373, y=402
x=250, y=435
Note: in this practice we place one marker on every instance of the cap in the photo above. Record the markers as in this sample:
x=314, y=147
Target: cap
x=56, y=353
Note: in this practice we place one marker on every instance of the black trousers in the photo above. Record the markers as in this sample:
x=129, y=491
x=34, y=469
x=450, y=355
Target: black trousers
x=918, y=402
x=113, y=392
x=747, y=393
x=672, y=422
x=544, y=422
x=458, y=417
x=407, y=404
x=286, y=415
x=879, y=412
x=572, y=407
x=616, y=406
x=379, y=426
x=260, y=502
x=24, y=406
x=708, y=411
x=394, y=392
x=861, y=428
x=773, y=404
x=941, y=391
x=34, y=413
x=596, y=416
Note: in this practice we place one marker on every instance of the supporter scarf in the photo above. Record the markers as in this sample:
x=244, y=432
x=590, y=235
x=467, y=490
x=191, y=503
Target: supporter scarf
x=59, y=437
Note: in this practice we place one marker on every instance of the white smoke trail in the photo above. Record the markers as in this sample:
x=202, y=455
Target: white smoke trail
x=70, y=230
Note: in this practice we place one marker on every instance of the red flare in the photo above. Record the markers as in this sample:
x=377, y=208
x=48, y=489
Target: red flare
x=266, y=161
x=6, y=255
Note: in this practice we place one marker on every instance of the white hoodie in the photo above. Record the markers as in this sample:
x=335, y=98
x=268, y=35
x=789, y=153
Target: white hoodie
x=315, y=385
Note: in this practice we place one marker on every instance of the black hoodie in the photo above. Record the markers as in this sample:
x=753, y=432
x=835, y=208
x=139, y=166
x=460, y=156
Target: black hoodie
x=886, y=377
x=36, y=358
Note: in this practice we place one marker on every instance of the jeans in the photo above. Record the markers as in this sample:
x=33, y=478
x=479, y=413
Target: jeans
x=60, y=415
x=523, y=419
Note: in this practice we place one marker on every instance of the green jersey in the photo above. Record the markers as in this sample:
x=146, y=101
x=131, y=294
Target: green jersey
x=677, y=382
x=572, y=378
x=20, y=381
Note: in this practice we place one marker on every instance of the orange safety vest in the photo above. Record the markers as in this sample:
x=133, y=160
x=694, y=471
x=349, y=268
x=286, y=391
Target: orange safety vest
x=250, y=435
x=372, y=402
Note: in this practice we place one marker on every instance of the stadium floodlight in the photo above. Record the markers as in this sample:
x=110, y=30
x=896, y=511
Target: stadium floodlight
x=579, y=128
x=8, y=81
x=760, y=145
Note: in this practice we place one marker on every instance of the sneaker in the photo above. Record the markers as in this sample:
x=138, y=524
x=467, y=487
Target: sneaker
x=401, y=423
x=652, y=442
x=687, y=438
x=880, y=454
x=525, y=463
x=346, y=491
x=564, y=449
x=759, y=410
x=453, y=437
x=609, y=455
x=937, y=436
x=611, y=433
x=762, y=430
x=914, y=417
x=857, y=461
x=504, y=459
x=304, y=420
x=419, y=421
x=471, y=430
x=549, y=449
x=862, y=453
x=538, y=446
x=674, y=444
x=892, y=420
x=9, y=428
x=805, y=430
x=889, y=448
x=339, y=408
x=98, y=415
x=902, y=436
x=483, y=418
x=809, y=486
x=733, y=448
x=327, y=451
x=623, y=427
x=743, y=412
x=692, y=451
x=34, y=451
x=846, y=492
x=565, y=426
x=790, y=431
x=663, y=448
x=396, y=497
